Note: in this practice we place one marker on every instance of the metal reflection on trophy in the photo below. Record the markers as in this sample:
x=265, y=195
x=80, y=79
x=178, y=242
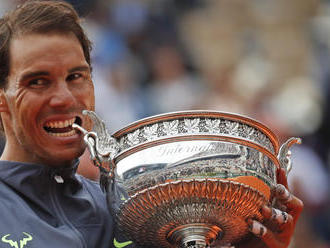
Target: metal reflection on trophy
x=188, y=179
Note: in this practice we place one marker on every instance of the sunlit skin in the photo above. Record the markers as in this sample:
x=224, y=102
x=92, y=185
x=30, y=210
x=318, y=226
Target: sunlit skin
x=49, y=81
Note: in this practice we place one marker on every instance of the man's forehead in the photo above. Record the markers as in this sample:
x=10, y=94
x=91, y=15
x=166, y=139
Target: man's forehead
x=32, y=42
x=40, y=50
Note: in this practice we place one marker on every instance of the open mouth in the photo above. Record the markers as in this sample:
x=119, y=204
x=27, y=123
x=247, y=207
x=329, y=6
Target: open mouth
x=62, y=128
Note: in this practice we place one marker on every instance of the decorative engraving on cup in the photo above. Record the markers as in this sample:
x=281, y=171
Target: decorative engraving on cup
x=195, y=126
x=151, y=132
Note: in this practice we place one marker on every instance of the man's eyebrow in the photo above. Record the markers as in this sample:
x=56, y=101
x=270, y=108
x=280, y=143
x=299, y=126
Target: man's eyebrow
x=29, y=75
x=33, y=74
x=80, y=68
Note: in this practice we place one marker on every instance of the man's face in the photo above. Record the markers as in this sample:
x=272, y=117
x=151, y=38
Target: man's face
x=49, y=85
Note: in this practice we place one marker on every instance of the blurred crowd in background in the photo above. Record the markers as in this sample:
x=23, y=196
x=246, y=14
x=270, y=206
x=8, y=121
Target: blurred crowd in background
x=267, y=59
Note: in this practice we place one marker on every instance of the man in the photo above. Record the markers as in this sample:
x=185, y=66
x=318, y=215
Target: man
x=45, y=79
x=45, y=84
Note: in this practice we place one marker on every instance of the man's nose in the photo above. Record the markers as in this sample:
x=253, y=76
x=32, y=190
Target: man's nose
x=61, y=96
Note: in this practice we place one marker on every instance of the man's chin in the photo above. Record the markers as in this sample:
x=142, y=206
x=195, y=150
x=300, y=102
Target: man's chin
x=64, y=159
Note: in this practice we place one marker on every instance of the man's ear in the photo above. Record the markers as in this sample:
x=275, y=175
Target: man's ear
x=3, y=101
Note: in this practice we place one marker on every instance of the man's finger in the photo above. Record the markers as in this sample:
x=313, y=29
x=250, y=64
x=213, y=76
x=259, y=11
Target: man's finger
x=276, y=216
x=266, y=235
x=257, y=228
x=285, y=197
x=293, y=204
x=282, y=178
x=282, y=194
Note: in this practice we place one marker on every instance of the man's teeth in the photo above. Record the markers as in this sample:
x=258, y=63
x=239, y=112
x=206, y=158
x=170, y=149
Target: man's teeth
x=66, y=134
x=60, y=128
x=60, y=124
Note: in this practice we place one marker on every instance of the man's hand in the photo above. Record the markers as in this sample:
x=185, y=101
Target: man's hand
x=279, y=221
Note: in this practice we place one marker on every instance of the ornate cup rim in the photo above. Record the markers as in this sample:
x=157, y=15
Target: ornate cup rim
x=269, y=143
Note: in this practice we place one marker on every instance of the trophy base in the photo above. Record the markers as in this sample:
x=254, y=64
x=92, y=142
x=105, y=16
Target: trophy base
x=190, y=213
x=194, y=235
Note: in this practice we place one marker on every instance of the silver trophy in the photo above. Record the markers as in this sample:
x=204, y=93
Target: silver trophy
x=187, y=179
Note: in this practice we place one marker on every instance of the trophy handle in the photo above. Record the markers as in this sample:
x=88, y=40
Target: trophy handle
x=285, y=153
x=103, y=148
x=101, y=145
x=106, y=147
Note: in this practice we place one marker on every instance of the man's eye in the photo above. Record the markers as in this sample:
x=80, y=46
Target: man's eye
x=74, y=76
x=37, y=82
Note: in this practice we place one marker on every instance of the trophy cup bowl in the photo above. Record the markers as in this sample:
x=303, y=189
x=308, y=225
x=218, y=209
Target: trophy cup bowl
x=188, y=179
